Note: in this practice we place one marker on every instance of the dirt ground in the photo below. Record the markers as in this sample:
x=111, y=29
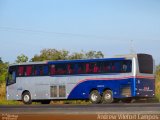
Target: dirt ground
x=78, y=117
x=48, y=117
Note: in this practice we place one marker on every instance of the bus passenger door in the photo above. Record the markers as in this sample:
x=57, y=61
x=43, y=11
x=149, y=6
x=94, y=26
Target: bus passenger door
x=11, y=84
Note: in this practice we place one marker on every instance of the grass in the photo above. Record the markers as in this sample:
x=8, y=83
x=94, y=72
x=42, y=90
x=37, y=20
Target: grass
x=158, y=87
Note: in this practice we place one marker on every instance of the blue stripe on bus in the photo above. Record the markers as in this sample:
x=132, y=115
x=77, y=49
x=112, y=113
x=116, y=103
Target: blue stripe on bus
x=83, y=60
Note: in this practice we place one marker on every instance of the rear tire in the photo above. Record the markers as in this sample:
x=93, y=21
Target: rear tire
x=26, y=98
x=95, y=97
x=107, y=97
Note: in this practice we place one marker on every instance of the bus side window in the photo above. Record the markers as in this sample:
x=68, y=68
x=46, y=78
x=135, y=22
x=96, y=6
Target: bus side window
x=45, y=70
x=28, y=71
x=61, y=69
x=20, y=70
x=96, y=68
x=52, y=70
x=128, y=66
x=76, y=69
x=106, y=67
x=113, y=67
x=117, y=65
x=70, y=68
x=81, y=68
x=88, y=68
x=36, y=70
x=124, y=67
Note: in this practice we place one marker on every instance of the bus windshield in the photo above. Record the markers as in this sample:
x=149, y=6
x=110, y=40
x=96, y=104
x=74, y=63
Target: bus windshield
x=145, y=63
x=11, y=76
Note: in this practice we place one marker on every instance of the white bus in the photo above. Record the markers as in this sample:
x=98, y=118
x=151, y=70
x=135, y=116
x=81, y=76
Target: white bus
x=98, y=80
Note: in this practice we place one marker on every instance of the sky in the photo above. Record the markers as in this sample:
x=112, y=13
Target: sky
x=28, y=26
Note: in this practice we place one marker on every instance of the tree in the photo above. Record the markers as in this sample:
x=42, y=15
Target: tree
x=77, y=55
x=99, y=54
x=3, y=70
x=0, y=60
x=93, y=54
x=53, y=54
x=21, y=58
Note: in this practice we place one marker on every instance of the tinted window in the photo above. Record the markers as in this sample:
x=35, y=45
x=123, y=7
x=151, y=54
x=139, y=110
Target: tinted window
x=126, y=66
x=93, y=67
x=41, y=70
x=106, y=67
x=121, y=66
x=60, y=69
x=11, y=75
x=45, y=70
x=81, y=68
x=20, y=70
x=71, y=68
x=145, y=63
x=52, y=70
x=28, y=71
x=96, y=67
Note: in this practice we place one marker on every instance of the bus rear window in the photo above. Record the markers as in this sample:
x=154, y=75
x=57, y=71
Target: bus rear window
x=145, y=63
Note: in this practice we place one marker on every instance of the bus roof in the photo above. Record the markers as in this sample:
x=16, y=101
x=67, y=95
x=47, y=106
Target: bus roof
x=117, y=57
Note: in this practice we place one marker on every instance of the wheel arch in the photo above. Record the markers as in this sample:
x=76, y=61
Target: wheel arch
x=107, y=89
x=93, y=89
x=24, y=92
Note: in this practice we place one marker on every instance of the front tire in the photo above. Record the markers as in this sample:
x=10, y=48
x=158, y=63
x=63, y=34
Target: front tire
x=95, y=97
x=26, y=98
x=107, y=97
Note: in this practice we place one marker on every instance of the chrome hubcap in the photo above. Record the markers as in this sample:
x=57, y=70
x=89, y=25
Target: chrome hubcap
x=94, y=97
x=26, y=98
x=107, y=96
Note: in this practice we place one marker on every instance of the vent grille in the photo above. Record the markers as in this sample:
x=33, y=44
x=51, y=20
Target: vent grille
x=126, y=91
x=53, y=91
x=62, y=91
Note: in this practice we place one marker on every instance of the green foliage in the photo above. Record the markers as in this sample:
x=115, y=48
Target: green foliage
x=53, y=54
x=3, y=71
x=94, y=54
x=21, y=58
x=77, y=55
x=158, y=82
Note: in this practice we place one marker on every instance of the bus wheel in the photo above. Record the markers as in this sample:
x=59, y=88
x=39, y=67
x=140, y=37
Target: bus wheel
x=45, y=102
x=107, y=97
x=26, y=98
x=95, y=97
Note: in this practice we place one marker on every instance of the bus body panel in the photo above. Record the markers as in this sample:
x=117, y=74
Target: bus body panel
x=145, y=87
x=75, y=86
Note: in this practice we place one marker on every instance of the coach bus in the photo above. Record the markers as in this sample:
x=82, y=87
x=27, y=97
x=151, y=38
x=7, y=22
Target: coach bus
x=98, y=80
